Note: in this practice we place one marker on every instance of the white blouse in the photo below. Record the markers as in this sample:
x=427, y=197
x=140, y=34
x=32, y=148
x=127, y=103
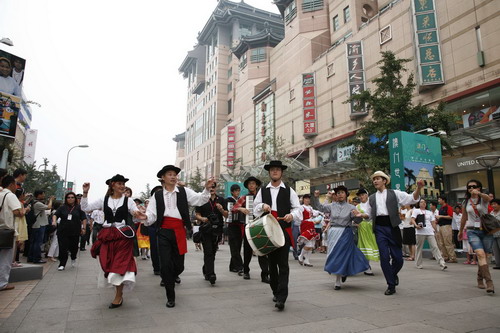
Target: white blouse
x=114, y=204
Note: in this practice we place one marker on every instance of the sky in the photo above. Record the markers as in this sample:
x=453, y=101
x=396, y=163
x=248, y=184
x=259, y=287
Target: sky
x=105, y=73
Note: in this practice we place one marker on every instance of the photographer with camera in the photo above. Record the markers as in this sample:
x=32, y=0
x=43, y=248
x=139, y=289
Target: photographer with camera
x=212, y=216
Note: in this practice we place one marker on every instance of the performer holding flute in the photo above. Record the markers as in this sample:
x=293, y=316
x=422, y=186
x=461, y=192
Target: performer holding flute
x=245, y=206
x=282, y=202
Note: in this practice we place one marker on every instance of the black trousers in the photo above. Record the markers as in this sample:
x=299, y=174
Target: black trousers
x=279, y=270
x=171, y=262
x=67, y=242
x=248, y=254
x=235, y=242
x=84, y=238
x=210, y=243
x=153, y=245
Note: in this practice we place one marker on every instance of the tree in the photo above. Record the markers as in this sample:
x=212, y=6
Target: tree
x=146, y=194
x=392, y=110
x=46, y=179
x=196, y=182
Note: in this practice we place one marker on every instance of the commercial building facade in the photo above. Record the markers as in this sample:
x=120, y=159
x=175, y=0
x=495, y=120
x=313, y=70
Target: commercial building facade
x=295, y=88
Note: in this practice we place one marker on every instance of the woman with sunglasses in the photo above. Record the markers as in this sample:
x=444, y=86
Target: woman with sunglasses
x=475, y=205
x=72, y=222
x=115, y=241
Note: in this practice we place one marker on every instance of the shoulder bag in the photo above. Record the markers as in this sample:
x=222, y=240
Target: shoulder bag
x=6, y=234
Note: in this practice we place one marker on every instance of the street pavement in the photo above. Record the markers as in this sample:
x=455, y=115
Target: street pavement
x=427, y=300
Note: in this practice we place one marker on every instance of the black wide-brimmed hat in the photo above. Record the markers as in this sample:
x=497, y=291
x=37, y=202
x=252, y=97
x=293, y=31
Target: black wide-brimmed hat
x=250, y=179
x=116, y=178
x=362, y=191
x=278, y=164
x=168, y=168
x=341, y=188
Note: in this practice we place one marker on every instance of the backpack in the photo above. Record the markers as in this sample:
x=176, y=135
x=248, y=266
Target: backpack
x=31, y=217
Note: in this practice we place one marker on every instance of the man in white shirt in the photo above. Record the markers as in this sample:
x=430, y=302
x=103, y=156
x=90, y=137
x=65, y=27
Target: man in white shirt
x=10, y=207
x=283, y=203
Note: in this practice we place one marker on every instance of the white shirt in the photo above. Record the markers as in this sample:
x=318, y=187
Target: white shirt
x=457, y=219
x=9, y=86
x=114, y=204
x=428, y=230
x=97, y=216
x=381, y=198
x=10, y=204
x=407, y=220
x=294, y=201
x=170, y=198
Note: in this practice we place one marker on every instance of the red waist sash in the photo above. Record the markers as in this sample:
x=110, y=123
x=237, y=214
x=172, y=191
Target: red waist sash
x=177, y=225
x=287, y=230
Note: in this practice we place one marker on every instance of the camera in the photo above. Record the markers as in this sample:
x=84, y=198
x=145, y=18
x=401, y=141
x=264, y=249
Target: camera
x=213, y=219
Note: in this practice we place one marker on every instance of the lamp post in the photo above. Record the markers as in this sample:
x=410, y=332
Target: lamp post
x=489, y=161
x=67, y=159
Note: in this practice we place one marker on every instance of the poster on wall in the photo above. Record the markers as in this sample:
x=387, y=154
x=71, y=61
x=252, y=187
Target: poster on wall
x=416, y=157
x=480, y=116
x=11, y=73
x=9, y=110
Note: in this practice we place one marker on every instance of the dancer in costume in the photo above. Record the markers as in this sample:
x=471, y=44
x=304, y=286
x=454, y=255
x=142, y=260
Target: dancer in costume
x=366, y=239
x=308, y=235
x=282, y=202
x=344, y=258
x=168, y=210
x=244, y=206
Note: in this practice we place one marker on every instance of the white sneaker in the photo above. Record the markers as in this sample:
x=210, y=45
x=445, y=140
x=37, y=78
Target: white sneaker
x=73, y=263
x=61, y=268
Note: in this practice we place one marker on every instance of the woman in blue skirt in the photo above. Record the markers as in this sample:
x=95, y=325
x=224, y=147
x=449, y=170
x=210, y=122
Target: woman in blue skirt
x=344, y=257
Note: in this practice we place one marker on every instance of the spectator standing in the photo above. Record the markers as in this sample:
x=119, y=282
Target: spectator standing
x=495, y=203
x=444, y=235
x=455, y=225
x=10, y=208
x=409, y=237
x=38, y=228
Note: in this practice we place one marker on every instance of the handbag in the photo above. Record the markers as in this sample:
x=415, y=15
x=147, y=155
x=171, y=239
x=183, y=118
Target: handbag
x=6, y=234
x=490, y=223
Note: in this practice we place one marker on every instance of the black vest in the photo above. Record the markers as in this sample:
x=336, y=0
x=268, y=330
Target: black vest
x=283, y=204
x=182, y=206
x=120, y=214
x=392, y=205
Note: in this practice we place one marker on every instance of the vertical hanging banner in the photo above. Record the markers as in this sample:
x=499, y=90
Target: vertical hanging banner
x=309, y=105
x=428, y=45
x=231, y=142
x=30, y=146
x=355, y=75
x=10, y=106
x=416, y=157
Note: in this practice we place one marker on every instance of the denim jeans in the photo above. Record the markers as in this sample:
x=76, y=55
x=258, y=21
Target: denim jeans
x=36, y=244
x=479, y=240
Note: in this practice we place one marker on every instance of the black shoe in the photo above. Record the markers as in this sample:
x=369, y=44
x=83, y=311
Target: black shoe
x=337, y=288
x=390, y=291
x=344, y=278
x=234, y=270
x=162, y=284
x=496, y=267
x=114, y=306
x=396, y=280
x=212, y=279
x=206, y=277
x=246, y=276
x=156, y=273
x=275, y=299
x=170, y=304
x=178, y=280
x=83, y=250
x=280, y=305
x=265, y=279
x=40, y=262
x=369, y=274
x=240, y=272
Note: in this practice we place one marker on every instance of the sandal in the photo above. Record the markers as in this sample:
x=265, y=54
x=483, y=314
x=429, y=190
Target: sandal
x=16, y=264
x=7, y=287
x=410, y=259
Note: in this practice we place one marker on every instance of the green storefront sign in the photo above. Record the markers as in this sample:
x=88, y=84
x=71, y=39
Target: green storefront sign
x=428, y=37
x=429, y=54
x=423, y=5
x=426, y=21
x=432, y=73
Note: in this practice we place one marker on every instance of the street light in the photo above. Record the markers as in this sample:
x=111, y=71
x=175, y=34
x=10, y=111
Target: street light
x=67, y=159
x=489, y=161
x=6, y=41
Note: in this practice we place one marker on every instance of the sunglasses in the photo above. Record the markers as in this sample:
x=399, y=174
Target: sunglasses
x=70, y=197
x=472, y=186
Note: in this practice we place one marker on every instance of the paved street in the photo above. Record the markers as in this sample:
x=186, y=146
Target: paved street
x=428, y=300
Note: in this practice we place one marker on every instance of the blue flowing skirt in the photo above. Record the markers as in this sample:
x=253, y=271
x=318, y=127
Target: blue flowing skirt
x=344, y=257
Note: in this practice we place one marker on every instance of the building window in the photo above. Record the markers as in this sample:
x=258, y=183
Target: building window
x=290, y=11
x=243, y=61
x=245, y=29
x=312, y=5
x=330, y=70
x=229, y=58
x=347, y=14
x=229, y=106
x=229, y=72
x=230, y=87
x=258, y=55
x=336, y=23
x=292, y=94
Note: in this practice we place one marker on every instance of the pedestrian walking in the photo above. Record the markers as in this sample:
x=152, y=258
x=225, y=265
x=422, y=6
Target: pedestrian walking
x=38, y=233
x=475, y=205
x=72, y=222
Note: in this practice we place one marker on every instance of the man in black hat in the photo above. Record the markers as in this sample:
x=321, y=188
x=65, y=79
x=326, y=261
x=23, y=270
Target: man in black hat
x=252, y=184
x=153, y=239
x=212, y=216
x=168, y=209
x=235, y=228
x=282, y=202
